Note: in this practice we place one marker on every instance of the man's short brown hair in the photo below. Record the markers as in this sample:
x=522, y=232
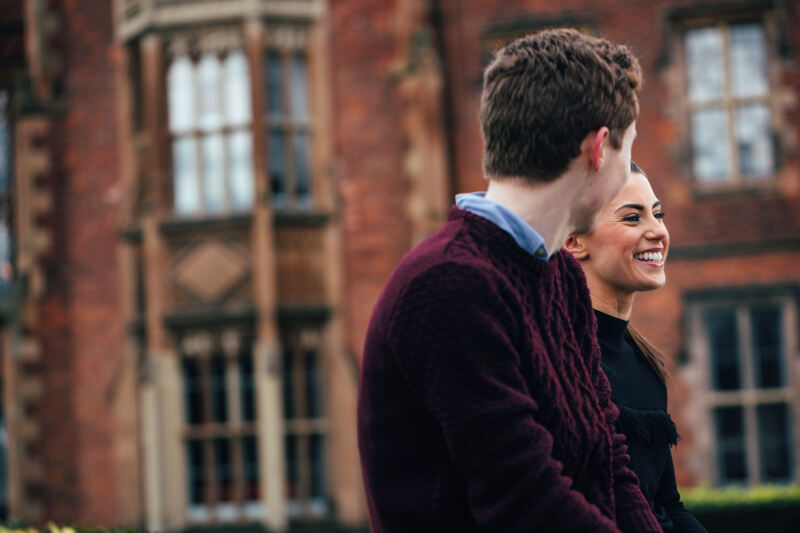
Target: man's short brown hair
x=544, y=93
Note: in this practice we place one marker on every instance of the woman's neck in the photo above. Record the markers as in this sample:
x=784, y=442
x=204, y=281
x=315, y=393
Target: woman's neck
x=609, y=300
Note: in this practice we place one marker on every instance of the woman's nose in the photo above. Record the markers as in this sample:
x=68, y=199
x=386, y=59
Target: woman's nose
x=656, y=230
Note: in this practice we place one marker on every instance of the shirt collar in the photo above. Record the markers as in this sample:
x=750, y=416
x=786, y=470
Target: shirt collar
x=524, y=235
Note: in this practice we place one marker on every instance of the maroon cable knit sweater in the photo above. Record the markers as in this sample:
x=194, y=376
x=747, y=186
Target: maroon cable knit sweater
x=482, y=404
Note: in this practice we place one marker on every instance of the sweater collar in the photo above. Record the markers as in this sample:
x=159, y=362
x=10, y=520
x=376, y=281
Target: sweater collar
x=610, y=328
x=522, y=232
x=500, y=241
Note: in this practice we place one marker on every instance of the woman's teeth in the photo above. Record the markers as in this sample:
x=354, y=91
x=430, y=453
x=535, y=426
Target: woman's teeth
x=649, y=256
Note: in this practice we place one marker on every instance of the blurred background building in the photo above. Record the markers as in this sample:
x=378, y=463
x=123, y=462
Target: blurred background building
x=200, y=201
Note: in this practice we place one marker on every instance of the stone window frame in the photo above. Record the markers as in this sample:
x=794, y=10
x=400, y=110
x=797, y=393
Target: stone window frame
x=681, y=20
x=697, y=372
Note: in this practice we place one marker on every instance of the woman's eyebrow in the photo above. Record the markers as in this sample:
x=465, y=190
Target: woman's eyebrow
x=633, y=206
x=658, y=203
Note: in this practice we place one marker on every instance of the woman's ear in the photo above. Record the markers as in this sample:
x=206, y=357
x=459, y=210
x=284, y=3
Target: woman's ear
x=574, y=245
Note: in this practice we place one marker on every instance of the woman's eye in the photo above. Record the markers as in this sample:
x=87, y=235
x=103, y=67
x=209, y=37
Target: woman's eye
x=631, y=218
x=659, y=215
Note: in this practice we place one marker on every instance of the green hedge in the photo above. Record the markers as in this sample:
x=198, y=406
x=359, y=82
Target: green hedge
x=771, y=508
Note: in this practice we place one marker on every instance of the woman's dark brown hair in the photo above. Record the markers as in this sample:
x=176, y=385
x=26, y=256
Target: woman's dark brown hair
x=648, y=352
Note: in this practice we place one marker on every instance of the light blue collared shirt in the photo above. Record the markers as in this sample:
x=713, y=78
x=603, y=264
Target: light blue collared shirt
x=527, y=237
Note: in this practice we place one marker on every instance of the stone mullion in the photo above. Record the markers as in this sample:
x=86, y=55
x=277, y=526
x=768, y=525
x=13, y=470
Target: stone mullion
x=157, y=342
x=235, y=428
x=289, y=127
x=266, y=349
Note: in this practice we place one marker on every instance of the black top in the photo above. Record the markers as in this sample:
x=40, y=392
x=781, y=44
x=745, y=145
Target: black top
x=643, y=418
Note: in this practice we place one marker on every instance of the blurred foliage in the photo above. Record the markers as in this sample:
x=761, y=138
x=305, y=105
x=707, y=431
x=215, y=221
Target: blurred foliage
x=736, y=496
x=773, y=508
x=15, y=526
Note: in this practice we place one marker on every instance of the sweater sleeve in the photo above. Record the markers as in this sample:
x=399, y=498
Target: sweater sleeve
x=633, y=513
x=453, y=334
x=670, y=499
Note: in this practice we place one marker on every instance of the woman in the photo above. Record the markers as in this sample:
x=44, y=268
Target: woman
x=623, y=255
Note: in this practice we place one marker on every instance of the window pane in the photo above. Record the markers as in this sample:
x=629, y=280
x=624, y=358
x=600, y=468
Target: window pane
x=184, y=169
x=301, y=147
x=213, y=173
x=767, y=346
x=710, y=148
x=774, y=442
x=277, y=168
x=6, y=251
x=273, y=84
x=705, y=67
x=223, y=470
x=5, y=144
x=240, y=148
x=731, y=458
x=723, y=341
x=313, y=378
x=219, y=404
x=299, y=93
x=292, y=470
x=754, y=140
x=237, y=89
x=748, y=60
x=251, y=477
x=196, y=471
x=192, y=391
x=247, y=387
x=288, y=384
x=209, y=78
x=180, y=87
x=317, y=461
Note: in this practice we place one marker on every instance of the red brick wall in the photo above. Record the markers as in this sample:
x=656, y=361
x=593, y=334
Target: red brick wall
x=369, y=146
x=81, y=328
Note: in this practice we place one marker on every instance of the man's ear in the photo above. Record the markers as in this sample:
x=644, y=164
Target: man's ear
x=575, y=246
x=597, y=153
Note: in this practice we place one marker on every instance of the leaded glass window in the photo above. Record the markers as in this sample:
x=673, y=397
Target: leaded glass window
x=728, y=92
x=288, y=122
x=220, y=437
x=209, y=121
x=751, y=396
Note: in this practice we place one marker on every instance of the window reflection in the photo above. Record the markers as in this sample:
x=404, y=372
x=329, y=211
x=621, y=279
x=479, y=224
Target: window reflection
x=289, y=135
x=748, y=61
x=299, y=88
x=754, y=140
x=704, y=58
x=240, y=148
x=237, y=89
x=181, y=95
x=213, y=173
x=711, y=152
x=6, y=236
x=185, y=175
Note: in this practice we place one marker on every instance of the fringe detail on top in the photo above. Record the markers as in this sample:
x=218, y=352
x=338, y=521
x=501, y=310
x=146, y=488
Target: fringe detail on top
x=649, y=426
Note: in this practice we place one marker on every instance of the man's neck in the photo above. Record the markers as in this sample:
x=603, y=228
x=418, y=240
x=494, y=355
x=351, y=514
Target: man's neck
x=546, y=207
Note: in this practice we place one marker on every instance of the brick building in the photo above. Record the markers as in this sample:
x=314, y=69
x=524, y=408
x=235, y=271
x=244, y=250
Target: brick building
x=201, y=200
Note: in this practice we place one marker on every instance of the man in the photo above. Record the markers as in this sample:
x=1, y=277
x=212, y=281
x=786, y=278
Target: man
x=482, y=405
